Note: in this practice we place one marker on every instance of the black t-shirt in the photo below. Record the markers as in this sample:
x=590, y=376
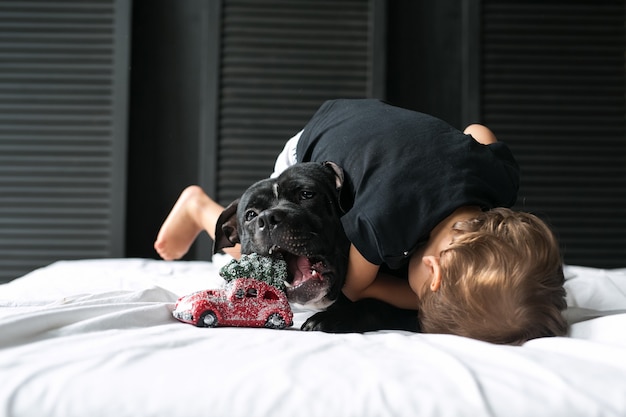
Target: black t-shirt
x=405, y=173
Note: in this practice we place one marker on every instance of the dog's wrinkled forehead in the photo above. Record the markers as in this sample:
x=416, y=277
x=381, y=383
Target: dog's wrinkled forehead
x=259, y=195
x=267, y=192
x=307, y=174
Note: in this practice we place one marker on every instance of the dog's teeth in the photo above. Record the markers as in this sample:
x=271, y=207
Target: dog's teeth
x=313, y=272
x=273, y=248
x=288, y=285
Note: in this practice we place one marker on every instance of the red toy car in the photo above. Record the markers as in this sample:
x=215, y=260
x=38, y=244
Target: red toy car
x=245, y=302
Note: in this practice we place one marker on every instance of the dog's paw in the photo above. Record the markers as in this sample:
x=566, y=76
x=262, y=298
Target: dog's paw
x=329, y=322
x=362, y=316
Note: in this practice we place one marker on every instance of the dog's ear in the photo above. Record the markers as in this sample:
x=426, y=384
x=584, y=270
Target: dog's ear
x=338, y=171
x=344, y=201
x=226, y=229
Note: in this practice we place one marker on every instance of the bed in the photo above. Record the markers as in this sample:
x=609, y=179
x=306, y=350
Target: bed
x=97, y=338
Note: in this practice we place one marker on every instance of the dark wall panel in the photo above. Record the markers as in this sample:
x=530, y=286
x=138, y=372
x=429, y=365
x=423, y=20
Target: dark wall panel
x=279, y=61
x=554, y=90
x=63, y=111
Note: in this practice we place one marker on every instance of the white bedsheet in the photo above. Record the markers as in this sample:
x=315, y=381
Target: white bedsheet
x=96, y=338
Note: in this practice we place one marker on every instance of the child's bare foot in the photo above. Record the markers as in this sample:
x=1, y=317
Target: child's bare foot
x=182, y=226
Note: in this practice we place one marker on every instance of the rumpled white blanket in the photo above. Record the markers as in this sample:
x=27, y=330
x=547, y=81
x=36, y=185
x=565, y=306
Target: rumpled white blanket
x=97, y=338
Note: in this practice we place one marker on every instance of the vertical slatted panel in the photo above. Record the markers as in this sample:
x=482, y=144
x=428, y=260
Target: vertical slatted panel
x=280, y=59
x=554, y=88
x=62, y=131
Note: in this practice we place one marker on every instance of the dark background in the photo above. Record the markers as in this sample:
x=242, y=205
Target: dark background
x=546, y=76
x=110, y=108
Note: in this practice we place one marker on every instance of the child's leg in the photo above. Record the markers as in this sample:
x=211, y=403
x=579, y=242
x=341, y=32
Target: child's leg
x=482, y=134
x=193, y=212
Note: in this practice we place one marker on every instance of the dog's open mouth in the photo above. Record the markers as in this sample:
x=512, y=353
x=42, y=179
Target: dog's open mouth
x=308, y=280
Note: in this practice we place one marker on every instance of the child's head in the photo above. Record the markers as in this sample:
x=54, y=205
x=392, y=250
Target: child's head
x=502, y=281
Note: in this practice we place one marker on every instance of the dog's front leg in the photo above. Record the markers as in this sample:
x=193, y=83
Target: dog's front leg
x=345, y=316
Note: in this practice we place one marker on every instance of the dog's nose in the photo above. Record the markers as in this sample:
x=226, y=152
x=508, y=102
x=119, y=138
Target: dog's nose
x=270, y=218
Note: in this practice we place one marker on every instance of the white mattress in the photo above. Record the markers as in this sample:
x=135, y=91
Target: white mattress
x=97, y=338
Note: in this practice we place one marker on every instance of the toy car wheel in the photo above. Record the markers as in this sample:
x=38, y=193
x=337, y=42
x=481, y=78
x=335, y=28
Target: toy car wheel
x=207, y=319
x=275, y=321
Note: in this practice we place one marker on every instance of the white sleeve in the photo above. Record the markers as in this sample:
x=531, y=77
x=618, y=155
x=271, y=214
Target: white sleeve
x=287, y=157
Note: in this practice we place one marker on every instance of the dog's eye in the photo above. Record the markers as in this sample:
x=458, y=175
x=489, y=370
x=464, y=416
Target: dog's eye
x=250, y=214
x=306, y=195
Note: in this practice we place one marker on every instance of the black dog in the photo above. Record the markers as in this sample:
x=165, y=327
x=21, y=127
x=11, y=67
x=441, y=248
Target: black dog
x=298, y=216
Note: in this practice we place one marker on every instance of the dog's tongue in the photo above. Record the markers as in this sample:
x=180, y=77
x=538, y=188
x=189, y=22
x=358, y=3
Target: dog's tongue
x=308, y=284
x=302, y=270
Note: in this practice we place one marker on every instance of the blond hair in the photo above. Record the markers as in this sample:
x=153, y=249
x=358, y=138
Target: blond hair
x=502, y=281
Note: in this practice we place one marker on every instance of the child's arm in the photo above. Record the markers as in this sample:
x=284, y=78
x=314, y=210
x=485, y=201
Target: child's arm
x=364, y=280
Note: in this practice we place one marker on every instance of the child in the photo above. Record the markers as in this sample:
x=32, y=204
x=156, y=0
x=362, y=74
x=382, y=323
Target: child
x=417, y=197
